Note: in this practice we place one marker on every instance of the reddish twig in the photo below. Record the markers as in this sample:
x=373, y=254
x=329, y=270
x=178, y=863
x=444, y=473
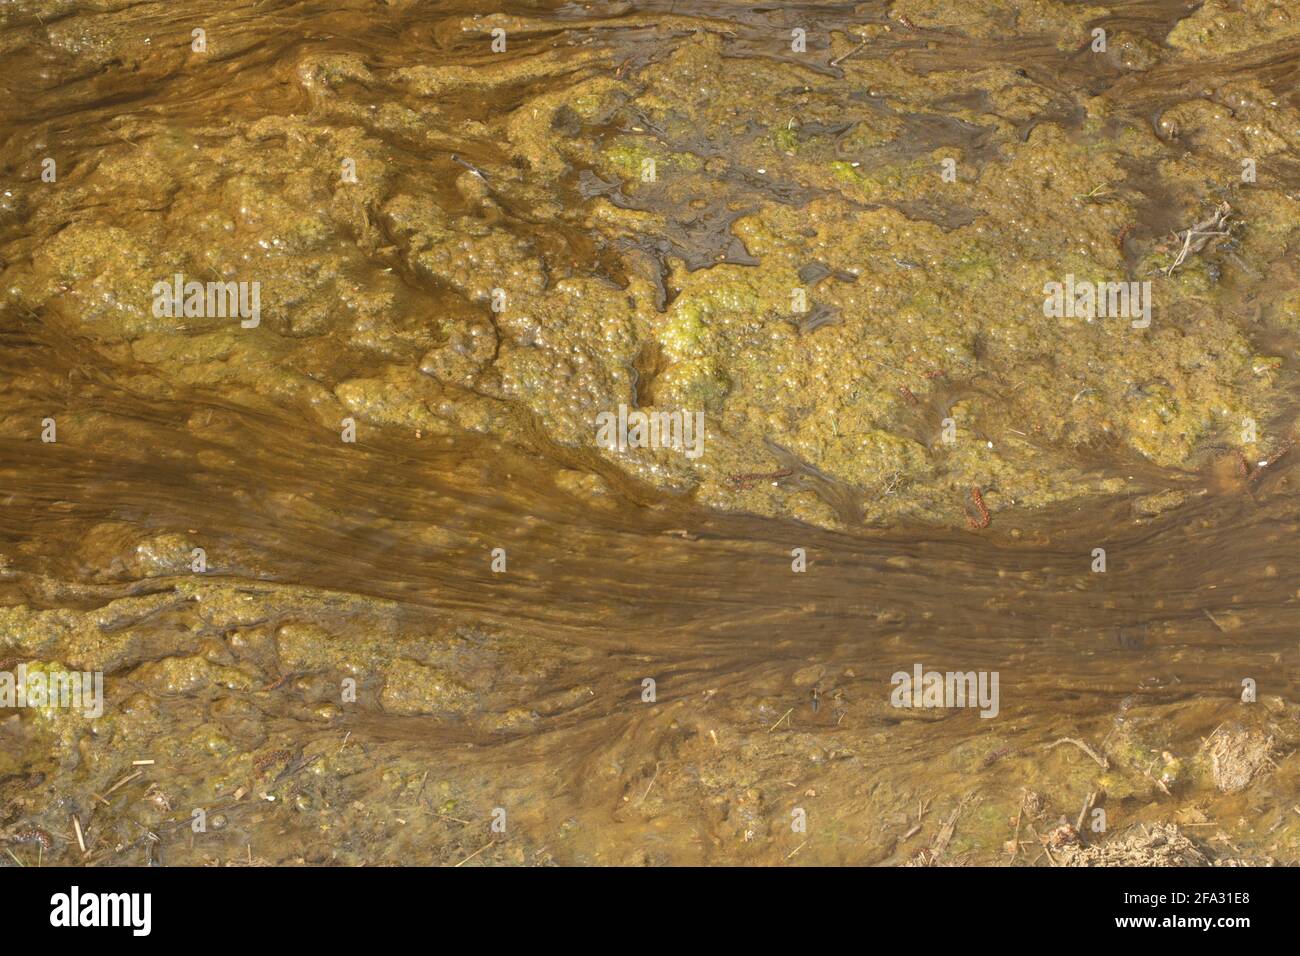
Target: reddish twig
x=978, y=498
x=747, y=479
x=1242, y=467
x=1272, y=459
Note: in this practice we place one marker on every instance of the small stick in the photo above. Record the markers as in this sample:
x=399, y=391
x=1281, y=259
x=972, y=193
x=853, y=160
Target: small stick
x=1157, y=781
x=746, y=480
x=1015, y=840
x=977, y=497
x=883, y=365
x=1272, y=460
x=81, y=840
x=1206, y=742
x=944, y=836
x=1087, y=805
x=797, y=849
x=1201, y=234
x=1101, y=761
x=123, y=782
x=844, y=56
x=653, y=778
x=1050, y=858
x=779, y=719
x=475, y=853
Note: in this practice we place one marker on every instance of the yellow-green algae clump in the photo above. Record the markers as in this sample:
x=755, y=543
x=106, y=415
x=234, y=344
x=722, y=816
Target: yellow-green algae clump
x=914, y=363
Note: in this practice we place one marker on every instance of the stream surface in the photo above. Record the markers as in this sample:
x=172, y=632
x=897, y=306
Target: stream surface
x=350, y=680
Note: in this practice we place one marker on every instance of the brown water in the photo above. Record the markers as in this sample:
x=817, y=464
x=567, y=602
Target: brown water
x=523, y=690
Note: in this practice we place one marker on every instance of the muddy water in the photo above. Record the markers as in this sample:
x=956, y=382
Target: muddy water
x=350, y=680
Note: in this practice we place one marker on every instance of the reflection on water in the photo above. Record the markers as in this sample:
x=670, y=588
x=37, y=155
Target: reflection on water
x=349, y=678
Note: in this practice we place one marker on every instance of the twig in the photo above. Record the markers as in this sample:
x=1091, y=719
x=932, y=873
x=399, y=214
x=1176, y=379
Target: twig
x=977, y=497
x=1206, y=742
x=780, y=719
x=1146, y=772
x=123, y=782
x=1272, y=460
x=1196, y=237
x=653, y=778
x=944, y=836
x=475, y=853
x=1015, y=840
x=844, y=56
x=1046, y=849
x=1101, y=761
x=1087, y=805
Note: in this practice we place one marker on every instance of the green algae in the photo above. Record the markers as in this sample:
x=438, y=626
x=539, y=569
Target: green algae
x=379, y=306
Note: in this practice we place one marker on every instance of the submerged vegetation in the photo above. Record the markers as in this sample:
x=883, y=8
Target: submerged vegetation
x=369, y=577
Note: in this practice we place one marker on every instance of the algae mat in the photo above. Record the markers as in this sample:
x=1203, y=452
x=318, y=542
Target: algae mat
x=649, y=432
